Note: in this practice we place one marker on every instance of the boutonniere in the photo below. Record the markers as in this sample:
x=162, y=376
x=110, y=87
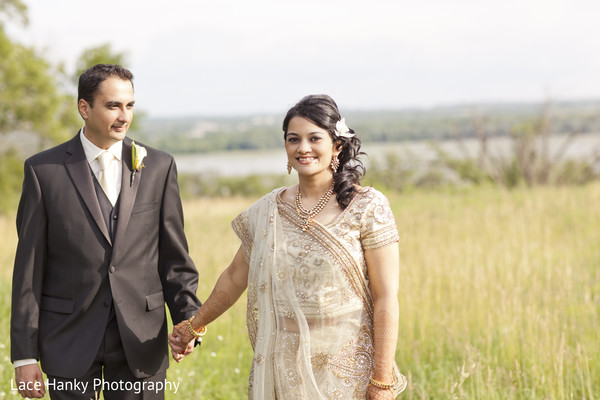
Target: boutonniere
x=137, y=160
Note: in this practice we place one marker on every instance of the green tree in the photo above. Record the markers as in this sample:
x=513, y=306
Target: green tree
x=13, y=8
x=34, y=112
x=103, y=54
x=30, y=96
x=30, y=99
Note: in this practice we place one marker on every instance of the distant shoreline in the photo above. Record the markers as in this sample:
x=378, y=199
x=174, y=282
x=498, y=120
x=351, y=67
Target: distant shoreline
x=273, y=161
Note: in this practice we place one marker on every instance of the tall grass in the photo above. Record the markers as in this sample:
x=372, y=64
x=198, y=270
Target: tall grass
x=500, y=293
x=500, y=296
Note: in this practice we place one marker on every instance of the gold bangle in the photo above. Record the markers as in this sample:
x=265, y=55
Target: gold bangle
x=197, y=334
x=381, y=385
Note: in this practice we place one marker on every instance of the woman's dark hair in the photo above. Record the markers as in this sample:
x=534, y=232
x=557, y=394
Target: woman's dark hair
x=321, y=110
x=91, y=78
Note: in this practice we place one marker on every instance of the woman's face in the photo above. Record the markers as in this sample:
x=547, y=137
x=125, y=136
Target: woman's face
x=309, y=147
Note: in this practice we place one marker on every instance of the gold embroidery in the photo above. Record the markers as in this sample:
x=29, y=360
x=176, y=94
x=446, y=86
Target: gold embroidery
x=281, y=274
x=240, y=227
x=319, y=360
x=381, y=238
x=252, y=321
x=335, y=393
x=259, y=359
x=353, y=363
x=366, y=223
x=263, y=287
x=337, y=254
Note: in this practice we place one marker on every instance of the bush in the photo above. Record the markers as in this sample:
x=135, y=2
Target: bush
x=11, y=178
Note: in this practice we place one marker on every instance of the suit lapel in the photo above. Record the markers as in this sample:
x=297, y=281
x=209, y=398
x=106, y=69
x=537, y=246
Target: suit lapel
x=79, y=170
x=128, y=194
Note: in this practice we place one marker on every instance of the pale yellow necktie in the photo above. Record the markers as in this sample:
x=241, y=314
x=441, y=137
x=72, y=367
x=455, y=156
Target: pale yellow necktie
x=104, y=176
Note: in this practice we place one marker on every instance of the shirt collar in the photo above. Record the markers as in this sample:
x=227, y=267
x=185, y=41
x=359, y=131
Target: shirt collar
x=92, y=151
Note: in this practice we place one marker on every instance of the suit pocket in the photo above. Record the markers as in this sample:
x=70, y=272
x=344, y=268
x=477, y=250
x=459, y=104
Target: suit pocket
x=154, y=301
x=143, y=207
x=58, y=305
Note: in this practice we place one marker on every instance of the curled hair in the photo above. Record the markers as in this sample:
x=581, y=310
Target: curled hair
x=322, y=111
x=91, y=79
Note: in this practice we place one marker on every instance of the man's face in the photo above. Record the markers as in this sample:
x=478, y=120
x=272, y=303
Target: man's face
x=109, y=119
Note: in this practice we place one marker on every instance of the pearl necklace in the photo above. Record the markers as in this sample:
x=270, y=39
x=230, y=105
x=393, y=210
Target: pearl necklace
x=309, y=215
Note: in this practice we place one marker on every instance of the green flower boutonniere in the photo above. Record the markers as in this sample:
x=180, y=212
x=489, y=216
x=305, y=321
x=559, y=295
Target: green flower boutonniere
x=137, y=157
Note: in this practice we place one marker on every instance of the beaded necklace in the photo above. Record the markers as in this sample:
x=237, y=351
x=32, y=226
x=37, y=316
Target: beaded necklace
x=308, y=215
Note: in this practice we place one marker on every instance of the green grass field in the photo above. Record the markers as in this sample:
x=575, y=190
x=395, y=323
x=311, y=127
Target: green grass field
x=500, y=296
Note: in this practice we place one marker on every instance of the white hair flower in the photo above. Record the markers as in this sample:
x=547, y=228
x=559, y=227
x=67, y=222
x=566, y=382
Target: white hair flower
x=341, y=129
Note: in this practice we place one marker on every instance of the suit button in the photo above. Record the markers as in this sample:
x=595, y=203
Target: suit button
x=106, y=303
x=115, y=217
x=112, y=269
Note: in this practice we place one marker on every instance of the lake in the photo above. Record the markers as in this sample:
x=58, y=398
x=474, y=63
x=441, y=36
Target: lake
x=240, y=163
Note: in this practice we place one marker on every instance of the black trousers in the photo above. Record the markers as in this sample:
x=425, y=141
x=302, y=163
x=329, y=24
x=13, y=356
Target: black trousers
x=109, y=375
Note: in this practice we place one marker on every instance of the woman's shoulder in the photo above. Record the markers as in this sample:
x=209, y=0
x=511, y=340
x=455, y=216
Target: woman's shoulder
x=369, y=194
x=375, y=208
x=369, y=201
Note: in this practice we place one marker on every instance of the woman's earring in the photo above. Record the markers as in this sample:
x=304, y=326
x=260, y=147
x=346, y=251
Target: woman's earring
x=335, y=163
x=289, y=167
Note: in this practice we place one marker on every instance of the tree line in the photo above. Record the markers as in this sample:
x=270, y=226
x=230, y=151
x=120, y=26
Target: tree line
x=203, y=134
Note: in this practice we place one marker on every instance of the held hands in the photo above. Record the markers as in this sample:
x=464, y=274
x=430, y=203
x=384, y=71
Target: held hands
x=30, y=381
x=181, y=341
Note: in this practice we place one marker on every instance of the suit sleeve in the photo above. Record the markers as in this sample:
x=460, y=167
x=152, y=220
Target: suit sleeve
x=30, y=261
x=178, y=273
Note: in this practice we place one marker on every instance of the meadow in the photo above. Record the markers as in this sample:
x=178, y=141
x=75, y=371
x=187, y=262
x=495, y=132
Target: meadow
x=499, y=296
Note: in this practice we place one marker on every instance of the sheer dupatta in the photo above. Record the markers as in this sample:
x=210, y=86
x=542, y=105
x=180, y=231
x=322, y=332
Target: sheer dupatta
x=261, y=231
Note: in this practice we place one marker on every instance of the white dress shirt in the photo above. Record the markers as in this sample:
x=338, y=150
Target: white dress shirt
x=115, y=170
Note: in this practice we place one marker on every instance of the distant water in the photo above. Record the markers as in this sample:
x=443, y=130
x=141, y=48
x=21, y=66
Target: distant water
x=240, y=163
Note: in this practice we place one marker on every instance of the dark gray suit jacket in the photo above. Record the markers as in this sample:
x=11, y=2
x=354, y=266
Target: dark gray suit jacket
x=68, y=271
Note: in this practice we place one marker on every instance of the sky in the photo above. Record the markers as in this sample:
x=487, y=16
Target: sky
x=232, y=57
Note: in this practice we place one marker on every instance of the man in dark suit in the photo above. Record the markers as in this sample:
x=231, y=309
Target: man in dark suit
x=101, y=249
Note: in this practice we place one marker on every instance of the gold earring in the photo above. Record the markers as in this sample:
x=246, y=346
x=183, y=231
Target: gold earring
x=289, y=168
x=335, y=163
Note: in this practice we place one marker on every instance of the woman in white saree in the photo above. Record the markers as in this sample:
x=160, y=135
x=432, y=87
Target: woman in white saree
x=322, y=311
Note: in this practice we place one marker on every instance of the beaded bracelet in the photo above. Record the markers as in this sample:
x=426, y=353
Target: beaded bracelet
x=197, y=334
x=381, y=385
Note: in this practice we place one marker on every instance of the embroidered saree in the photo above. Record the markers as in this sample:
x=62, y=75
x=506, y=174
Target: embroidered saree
x=309, y=310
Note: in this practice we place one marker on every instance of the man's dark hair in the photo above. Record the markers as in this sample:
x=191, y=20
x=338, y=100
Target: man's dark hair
x=91, y=78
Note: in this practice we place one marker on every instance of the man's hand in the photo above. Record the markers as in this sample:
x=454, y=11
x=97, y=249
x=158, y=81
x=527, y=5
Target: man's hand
x=30, y=381
x=179, y=348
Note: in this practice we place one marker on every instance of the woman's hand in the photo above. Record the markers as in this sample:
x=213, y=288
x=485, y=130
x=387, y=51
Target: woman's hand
x=181, y=341
x=182, y=331
x=375, y=393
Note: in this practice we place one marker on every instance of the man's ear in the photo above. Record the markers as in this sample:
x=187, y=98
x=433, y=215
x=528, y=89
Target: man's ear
x=84, y=108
